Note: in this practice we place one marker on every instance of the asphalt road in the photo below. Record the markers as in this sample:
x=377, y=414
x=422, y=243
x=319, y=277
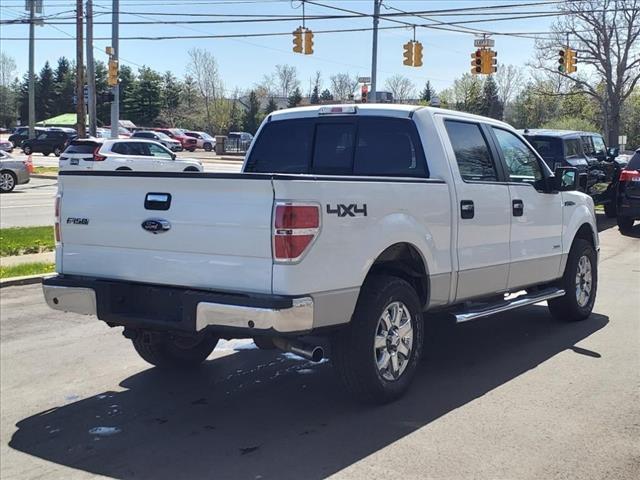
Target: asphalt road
x=517, y=396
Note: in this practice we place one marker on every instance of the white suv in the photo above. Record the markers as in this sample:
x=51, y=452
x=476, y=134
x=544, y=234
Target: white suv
x=124, y=154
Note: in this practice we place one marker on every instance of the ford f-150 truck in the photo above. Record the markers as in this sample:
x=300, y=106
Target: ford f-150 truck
x=348, y=223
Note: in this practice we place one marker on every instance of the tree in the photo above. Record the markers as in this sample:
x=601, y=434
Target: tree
x=204, y=70
x=127, y=87
x=400, y=87
x=427, y=93
x=171, y=96
x=295, y=98
x=8, y=93
x=314, y=99
x=467, y=93
x=605, y=35
x=326, y=96
x=103, y=109
x=45, y=93
x=343, y=86
x=64, y=79
x=271, y=106
x=250, y=120
x=314, y=96
x=287, y=79
x=147, y=96
x=490, y=104
x=509, y=81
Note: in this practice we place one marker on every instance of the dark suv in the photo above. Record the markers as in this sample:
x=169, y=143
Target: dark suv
x=629, y=194
x=50, y=141
x=597, y=166
x=20, y=134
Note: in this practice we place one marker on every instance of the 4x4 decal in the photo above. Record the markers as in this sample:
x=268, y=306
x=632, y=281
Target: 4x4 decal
x=350, y=210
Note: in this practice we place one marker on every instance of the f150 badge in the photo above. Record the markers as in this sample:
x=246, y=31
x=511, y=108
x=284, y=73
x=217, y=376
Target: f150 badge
x=77, y=221
x=155, y=225
x=350, y=210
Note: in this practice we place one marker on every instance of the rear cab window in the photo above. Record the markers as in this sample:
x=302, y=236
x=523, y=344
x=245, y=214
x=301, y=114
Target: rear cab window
x=344, y=145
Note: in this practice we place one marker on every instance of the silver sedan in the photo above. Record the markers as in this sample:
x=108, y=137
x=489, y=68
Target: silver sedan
x=12, y=172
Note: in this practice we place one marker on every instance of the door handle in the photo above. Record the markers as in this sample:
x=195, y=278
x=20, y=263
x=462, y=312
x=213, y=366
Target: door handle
x=157, y=201
x=518, y=208
x=467, y=209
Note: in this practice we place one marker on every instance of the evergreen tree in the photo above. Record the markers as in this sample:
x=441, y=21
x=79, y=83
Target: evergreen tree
x=147, y=96
x=427, y=93
x=127, y=87
x=295, y=98
x=271, y=106
x=315, y=96
x=490, y=104
x=103, y=109
x=251, y=121
x=170, y=93
x=64, y=79
x=23, y=102
x=189, y=92
x=45, y=93
x=326, y=95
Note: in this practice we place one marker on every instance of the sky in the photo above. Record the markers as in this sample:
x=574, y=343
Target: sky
x=243, y=61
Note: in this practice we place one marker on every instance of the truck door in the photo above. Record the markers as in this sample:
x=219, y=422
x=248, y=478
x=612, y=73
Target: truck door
x=483, y=212
x=536, y=215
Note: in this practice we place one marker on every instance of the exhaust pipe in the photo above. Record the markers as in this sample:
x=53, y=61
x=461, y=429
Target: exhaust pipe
x=315, y=353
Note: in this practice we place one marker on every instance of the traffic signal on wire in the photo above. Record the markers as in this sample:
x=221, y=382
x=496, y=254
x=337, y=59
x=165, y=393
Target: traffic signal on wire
x=297, y=40
x=308, y=42
x=412, y=54
x=408, y=54
x=476, y=62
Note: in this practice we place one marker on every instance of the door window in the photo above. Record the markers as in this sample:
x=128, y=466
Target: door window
x=599, y=146
x=472, y=152
x=572, y=148
x=522, y=164
x=158, y=151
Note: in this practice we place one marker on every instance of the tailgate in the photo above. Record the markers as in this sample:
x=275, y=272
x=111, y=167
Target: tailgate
x=216, y=229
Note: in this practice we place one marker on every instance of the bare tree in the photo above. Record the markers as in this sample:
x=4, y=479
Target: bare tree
x=287, y=79
x=343, y=86
x=315, y=81
x=204, y=70
x=7, y=97
x=605, y=34
x=401, y=88
x=509, y=79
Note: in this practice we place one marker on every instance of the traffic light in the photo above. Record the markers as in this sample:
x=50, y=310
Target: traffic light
x=297, y=40
x=408, y=54
x=308, y=42
x=476, y=62
x=572, y=60
x=489, y=62
x=417, y=54
x=364, y=92
x=112, y=78
x=562, y=60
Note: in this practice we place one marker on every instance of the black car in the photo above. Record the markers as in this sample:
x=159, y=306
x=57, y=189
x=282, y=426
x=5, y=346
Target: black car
x=597, y=166
x=50, y=141
x=22, y=133
x=629, y=194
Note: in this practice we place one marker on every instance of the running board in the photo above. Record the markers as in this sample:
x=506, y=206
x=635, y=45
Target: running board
x=505, y=305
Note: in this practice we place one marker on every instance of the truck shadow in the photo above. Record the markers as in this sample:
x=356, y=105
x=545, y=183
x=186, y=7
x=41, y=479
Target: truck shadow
x=260, y=414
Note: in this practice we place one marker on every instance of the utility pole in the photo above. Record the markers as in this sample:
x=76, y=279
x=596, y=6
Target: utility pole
x=80, y=113
x=91, y=71
x=32, y=87
x=374, y=50
x=115, y=104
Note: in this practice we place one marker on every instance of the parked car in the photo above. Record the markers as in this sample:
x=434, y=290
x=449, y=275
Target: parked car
x=238, y=141
x=352, y=223
x=597, y=166
x=203, y=140
x=50, y=141
x=22, y=133
x=178, y=134
x=628, y=198
x=122, y=132
x=170, y=143
x=6, y=146
x=124, y=154
x=12, y=172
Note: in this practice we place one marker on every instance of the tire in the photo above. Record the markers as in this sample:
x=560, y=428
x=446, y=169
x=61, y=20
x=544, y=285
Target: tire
x=191, y=150
x=207, y=147
x=611, y=209
x=8, y=181
x=46, y=154
x=264, y=343
x=123, y=169
x=580, y=276
x=191, y=169
x=57, y=151
x=625, y=224
x=169, y=352
x=27, y=150
x=359, y=361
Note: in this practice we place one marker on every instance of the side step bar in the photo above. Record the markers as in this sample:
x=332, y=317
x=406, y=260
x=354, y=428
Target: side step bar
x=503, y=306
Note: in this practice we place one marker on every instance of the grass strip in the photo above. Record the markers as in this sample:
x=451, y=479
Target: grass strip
x=22, y=240
x=26, y=269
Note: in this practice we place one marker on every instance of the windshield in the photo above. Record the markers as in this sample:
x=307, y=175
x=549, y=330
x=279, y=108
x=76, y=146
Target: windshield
x=206, y=136
x=176, y=131
x=549, y=148
x=163, y=136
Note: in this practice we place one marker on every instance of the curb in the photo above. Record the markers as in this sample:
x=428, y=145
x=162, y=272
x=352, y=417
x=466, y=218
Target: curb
x=44, y=175
x=26, y=280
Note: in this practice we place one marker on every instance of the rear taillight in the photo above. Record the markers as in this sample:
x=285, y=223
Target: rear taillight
x=629, y=176
x=295, y=227
x=56, y=227
x=97, y=157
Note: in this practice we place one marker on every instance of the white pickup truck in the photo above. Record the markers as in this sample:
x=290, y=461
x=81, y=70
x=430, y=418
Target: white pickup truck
x=348, y=223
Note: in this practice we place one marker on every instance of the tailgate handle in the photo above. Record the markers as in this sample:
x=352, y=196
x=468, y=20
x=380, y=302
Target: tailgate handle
x=157, y=201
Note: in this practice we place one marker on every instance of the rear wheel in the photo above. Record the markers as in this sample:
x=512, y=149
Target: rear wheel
x=580, y=282
x=123, y=169
x=625, y=223
x=8, y=181
x=57, y=151
x=378, y=353
x=27, y=150
x=191, y=169
x=207, y=147
x=167, y=352
x=46, y=154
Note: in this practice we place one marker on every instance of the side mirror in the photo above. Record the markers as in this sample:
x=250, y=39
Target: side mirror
x=612, y=152
x=566, y=179
x=173, y=156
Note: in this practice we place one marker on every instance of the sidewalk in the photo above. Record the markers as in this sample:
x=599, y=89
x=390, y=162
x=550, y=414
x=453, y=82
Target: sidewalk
x=46, y=257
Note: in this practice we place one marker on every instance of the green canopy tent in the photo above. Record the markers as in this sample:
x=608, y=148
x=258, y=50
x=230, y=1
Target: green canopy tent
x=69, y=120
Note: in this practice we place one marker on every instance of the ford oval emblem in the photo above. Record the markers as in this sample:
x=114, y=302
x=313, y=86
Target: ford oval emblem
x=155, y=225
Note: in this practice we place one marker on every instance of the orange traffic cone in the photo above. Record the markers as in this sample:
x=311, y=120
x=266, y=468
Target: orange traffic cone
x=30, y=164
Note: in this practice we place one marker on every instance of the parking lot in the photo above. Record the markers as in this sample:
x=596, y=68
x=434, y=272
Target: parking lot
x=518, y=395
